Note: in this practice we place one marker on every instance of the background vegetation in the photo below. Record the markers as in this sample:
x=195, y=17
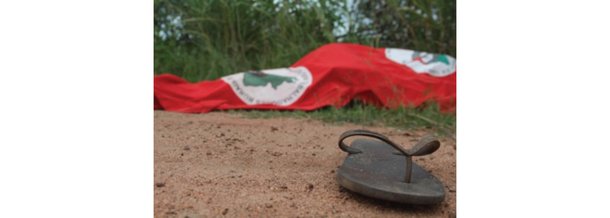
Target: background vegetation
x=207, y=39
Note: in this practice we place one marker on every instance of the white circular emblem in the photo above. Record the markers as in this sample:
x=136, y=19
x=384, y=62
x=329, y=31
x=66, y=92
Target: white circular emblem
x=421, y=62
x=282, y=86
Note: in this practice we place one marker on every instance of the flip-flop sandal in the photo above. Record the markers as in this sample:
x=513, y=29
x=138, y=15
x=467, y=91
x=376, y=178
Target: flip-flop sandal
x=384, y=170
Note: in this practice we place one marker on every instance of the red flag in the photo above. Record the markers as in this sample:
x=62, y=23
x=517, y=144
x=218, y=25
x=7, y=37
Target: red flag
x=333, y=74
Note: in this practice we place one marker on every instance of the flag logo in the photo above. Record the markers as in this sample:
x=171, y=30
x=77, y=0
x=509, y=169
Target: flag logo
x=282, y=86
x=438, y=65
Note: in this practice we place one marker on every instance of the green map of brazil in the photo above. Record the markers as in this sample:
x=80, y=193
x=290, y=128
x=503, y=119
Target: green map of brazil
x=280, y=86
x=257, y=78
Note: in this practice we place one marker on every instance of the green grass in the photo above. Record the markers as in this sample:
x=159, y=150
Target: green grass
x=207, y=39
x=216, y=37
x=224, y=37
x=404, y=118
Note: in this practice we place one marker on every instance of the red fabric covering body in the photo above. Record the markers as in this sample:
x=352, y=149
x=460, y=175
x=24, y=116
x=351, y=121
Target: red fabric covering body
x=341, y=72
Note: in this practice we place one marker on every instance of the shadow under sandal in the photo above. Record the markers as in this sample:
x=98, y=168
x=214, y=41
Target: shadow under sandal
x=384, y=170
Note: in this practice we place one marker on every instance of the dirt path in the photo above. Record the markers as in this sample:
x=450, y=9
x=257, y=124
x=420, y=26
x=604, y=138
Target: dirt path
x=209, y=165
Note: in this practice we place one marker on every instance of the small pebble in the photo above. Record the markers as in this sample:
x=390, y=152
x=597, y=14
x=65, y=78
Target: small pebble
x=309, y=187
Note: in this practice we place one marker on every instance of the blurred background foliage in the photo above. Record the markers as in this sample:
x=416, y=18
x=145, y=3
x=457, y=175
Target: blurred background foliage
x=207, y=39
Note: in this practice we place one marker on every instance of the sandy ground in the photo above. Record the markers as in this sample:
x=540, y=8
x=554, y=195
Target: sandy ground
x=220, y=164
